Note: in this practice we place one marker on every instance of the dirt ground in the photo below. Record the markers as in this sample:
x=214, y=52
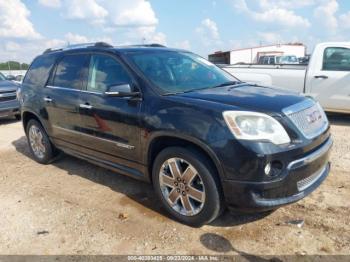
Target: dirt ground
x=73, y=207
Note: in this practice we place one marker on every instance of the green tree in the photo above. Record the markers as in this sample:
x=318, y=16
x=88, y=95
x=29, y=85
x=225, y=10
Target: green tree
x=13, y=65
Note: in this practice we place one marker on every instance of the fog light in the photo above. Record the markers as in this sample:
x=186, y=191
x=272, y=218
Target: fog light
x=268, y=169
x=274, y=168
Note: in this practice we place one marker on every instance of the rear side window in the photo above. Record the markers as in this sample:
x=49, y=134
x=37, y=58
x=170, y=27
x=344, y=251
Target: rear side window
x=39, y=71
x=71, y=71
x=336, y=59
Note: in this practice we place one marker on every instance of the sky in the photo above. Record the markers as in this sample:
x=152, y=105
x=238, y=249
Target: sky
x=28, y=27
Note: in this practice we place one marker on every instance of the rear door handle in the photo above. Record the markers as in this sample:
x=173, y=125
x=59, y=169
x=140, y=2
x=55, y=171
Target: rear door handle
x=321, y=76
x=85, y=106
x=48, y=99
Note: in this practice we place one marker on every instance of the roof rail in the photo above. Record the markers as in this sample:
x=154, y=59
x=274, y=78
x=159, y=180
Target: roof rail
x=75, y=46
x=96, y=44
x=102, y=44
x=49, y=50
x=155, y=45
x=151, y=45
x=145, y=45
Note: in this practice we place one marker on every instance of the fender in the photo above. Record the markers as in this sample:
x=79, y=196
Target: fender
x=40, y=119
x=190, y=139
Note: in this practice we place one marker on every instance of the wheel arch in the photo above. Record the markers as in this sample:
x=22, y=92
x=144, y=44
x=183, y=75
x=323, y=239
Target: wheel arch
x=161, y=141
x=27, y=116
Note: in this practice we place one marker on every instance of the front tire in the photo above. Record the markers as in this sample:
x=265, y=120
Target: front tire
x=39, y=143
x=187, y=185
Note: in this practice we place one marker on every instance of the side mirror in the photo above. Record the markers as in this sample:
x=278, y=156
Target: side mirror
x=122, y=90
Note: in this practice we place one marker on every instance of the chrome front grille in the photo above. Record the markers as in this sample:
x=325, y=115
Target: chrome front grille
x=7, y=96
x=309, y=117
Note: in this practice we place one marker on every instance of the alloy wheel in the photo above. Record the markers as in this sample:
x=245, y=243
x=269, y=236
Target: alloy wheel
x=182, y=186
x=36, y=141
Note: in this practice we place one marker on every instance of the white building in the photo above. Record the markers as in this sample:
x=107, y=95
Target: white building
x=13, y=72
x=252, y=55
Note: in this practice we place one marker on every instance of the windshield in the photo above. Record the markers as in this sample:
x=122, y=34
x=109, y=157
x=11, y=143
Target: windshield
x=2, y=77
x=178, y=72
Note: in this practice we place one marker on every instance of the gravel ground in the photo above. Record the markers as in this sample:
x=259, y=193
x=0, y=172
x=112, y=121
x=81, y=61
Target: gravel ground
x=73, y=207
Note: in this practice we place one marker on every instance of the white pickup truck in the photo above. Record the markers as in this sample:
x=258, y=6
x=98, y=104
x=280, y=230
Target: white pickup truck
x=326, y=78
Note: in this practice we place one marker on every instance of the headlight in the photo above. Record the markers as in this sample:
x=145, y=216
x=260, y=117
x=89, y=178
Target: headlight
x=255, y=126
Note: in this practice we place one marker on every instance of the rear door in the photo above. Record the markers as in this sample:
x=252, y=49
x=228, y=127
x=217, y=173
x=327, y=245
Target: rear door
x=62, y=97
x=110, y=124
x=330, y=79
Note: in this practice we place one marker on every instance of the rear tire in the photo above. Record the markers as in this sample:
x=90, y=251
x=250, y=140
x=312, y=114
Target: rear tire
x=39, y=143
x=187, y=186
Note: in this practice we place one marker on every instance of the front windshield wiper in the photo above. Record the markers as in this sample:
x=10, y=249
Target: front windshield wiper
x=229, y=83
x=233, y=84
x=172, y=93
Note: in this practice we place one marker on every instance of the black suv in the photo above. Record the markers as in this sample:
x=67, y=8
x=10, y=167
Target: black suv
x=203, y=138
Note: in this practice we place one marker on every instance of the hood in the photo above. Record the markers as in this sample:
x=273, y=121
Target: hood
x=6, y=85
x=249, y=97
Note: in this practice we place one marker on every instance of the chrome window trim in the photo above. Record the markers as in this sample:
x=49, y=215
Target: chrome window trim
x=63, y=88
x=112, y=93
x=8, y=108
x=119, y=144
x=72, y=89
x=312, y=157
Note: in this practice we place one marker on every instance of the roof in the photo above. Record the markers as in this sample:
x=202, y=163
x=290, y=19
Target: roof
x=105, y=46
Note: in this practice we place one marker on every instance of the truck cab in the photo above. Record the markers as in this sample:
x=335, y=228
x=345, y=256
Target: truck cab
x=326, y=78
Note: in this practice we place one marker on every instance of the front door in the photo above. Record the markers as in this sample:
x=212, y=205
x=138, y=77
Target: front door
x=111, y=124
x=330, y=84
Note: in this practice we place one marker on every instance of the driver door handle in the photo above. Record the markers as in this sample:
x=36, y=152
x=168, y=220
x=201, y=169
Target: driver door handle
x=85, y=106
x=321, y=76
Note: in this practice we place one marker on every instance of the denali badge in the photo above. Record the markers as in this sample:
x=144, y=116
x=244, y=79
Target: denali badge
x=313, y=117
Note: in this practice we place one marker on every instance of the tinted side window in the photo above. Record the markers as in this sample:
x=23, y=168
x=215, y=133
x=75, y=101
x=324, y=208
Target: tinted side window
x=70, y=71
x=104, y=72
x=39, y=71
x=336, y=59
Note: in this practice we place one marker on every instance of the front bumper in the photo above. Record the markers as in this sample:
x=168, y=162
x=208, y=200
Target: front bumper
x=9, y=108
x=300, y=178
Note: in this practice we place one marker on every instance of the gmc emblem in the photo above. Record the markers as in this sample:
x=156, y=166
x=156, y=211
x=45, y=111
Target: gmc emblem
x=313, y=117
